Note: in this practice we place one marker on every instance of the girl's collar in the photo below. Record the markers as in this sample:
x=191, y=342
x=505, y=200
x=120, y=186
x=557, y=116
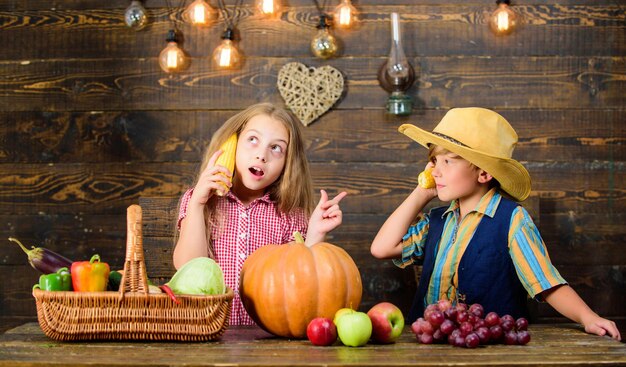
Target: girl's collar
x=265, y=198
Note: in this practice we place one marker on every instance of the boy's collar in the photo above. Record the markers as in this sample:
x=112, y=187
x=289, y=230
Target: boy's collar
x=487, y=205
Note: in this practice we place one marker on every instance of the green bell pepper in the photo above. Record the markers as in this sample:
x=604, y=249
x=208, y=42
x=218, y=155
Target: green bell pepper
x=59, y=281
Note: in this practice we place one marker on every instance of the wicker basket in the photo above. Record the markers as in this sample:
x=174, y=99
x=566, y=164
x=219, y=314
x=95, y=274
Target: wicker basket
x=132, y=313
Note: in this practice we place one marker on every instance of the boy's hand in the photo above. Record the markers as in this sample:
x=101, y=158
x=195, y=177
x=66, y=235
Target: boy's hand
x=325, y=217
x=210, y=180
x=432, y=192
x=569, y=304
x=600, y=326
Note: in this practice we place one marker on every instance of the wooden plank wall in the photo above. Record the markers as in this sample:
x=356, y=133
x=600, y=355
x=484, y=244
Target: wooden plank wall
x=89, y=124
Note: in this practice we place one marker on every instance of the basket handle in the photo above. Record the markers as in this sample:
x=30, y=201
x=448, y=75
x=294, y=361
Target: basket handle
x=135, y=278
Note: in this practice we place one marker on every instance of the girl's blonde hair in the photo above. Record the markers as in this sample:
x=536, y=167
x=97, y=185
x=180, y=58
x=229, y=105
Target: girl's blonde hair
x=292, y=190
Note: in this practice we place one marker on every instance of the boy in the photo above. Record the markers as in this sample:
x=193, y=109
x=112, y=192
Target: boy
x=483, y=248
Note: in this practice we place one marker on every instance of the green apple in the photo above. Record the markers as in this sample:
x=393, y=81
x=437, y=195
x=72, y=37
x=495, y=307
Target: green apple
x=354, y=328
x=341, y=312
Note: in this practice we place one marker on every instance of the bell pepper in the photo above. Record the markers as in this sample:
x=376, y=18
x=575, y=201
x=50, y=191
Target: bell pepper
x=59, y=281
x=115, y=279
x=90, y=276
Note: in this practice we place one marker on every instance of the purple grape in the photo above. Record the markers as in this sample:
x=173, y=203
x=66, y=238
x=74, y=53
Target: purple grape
x=483, y=334
x=472, y=340
x=496, y=333
x=447, y=326
x=436, y=318
x=507, y=318
x=521, y=324
x=416, y=326
x=456, y=333
x=492, y=319
x=462, y=316
x=466, y=328
x=430, y=309
x=439, y=336
x=510, y=338
x=451, y=313
x=507, y=325
x=523, y=337
x=477, y=309
x=479, y=323
x=451, y=339
x=459, y=341
x=472, y=318
x=427, y=327
x=426, y=339
x=444, y=305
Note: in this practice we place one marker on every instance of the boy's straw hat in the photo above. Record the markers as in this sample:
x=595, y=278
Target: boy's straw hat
x=482, y=137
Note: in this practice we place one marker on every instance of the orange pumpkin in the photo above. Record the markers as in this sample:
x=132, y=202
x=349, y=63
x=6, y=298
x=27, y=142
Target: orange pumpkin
x=284, y=287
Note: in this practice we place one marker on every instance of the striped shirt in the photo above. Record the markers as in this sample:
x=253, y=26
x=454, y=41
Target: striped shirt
x=246, y=229
x=526, y=248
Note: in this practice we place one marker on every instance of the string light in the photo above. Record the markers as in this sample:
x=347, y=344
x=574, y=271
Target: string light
x=324, y=44
x=345, y=14
x=135, y=15
x=503, y=20
x=172, y=58
x=200, y=14
x=226, y=55
x=269, y=8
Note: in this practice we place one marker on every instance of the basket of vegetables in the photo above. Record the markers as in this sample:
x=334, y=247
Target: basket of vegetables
x=184, y=313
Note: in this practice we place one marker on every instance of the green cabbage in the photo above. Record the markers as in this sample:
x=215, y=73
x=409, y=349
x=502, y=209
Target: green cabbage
x=198, y=276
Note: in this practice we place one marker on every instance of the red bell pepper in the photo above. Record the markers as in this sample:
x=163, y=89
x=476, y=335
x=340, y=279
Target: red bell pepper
x=90, y=276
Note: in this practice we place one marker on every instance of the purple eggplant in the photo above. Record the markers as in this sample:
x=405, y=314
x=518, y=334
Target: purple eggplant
x=44, y=260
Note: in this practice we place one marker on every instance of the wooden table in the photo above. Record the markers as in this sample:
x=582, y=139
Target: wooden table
x=26, y=345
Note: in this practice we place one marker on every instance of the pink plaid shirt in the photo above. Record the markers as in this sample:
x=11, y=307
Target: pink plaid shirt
x=245, y=230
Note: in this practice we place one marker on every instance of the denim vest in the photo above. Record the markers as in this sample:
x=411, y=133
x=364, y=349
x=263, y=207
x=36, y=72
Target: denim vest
x=486, y=273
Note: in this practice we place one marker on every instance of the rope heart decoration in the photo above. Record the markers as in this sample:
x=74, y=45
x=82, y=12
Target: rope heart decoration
x=309, y=92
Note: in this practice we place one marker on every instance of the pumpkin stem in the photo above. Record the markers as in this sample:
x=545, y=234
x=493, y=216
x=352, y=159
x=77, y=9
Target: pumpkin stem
x=298, y=237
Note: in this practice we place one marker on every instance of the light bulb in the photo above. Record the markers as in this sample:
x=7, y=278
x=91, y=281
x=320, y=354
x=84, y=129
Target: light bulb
x=269, y=8
x=172, y=58
x=345, y=14
x=503, y=20
x=324, y=44
x=226, y=55
x=135, y=15
x=200, y=14
x=397, y=63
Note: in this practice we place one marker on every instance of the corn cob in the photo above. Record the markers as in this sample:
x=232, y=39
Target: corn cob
x=425, y=179
x=227, y=158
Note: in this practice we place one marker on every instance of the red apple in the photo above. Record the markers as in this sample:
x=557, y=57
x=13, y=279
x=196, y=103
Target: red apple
x=321, y=331
x=387, y=322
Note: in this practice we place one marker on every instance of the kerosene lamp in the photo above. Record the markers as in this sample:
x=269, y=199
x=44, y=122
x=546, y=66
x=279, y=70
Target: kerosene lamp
x=397, y=75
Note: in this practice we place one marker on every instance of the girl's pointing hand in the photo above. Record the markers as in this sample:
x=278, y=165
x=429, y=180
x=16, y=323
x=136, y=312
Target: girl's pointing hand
x=326, y=216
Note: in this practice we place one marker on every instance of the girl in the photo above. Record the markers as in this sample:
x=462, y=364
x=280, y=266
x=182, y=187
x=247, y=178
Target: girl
x=270, y=197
